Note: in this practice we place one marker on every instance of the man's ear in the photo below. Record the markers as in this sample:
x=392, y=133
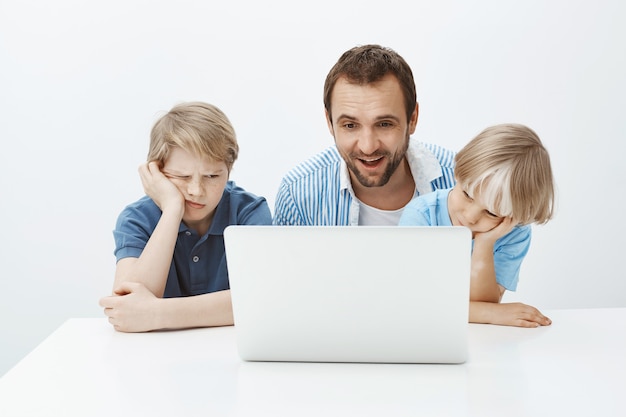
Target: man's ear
x=329, y=123
x=413, y=119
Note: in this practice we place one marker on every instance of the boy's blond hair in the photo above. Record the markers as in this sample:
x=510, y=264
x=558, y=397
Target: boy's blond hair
x=508, y=166
x=198, y=128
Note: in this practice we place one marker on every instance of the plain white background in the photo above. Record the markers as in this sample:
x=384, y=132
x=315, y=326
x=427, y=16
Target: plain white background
x=81, y=84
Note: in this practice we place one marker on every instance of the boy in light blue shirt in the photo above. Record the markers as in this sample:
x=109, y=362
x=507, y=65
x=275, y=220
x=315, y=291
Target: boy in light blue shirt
x=504, y=184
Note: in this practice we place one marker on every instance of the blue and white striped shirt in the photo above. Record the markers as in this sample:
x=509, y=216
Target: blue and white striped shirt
x=319, y=192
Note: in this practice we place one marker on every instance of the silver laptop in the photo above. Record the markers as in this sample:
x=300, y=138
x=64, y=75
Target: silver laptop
x=350, y=294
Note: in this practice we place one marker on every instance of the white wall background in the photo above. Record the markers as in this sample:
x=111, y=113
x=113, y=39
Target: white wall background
x=81, y=84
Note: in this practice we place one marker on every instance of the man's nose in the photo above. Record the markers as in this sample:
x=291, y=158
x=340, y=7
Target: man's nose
x=368, y=142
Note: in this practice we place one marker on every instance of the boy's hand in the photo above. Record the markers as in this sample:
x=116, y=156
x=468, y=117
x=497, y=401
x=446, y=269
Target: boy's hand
x=507, y=314
x=505, y=226
x=160, y=189
x=133, y=308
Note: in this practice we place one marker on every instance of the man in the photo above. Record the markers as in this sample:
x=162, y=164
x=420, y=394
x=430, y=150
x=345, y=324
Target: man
x=374, y=169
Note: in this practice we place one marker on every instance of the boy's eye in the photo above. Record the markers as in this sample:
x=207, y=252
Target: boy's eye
x=467, y=195
x=490, y=214
x=173, y=176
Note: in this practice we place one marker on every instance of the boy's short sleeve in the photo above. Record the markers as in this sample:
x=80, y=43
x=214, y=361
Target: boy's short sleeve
x=134, y=227
x=508, y=254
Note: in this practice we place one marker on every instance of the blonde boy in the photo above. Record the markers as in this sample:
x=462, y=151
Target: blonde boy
x=171, y=266
x=504, y=184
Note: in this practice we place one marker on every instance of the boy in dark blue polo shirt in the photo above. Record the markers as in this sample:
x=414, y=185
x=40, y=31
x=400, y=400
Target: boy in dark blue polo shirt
x=171, y=265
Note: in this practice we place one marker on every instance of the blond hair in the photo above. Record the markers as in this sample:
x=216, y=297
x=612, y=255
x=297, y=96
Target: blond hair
x=199, y=128
x=508, y=166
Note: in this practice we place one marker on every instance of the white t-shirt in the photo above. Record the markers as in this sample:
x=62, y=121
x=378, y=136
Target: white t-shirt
x=371, y=216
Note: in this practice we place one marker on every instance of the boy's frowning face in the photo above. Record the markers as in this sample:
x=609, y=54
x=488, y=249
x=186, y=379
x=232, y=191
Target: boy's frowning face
x=201, y=181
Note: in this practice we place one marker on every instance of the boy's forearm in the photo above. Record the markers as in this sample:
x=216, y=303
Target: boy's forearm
x=152, y=266
x=480, y=312
x=483, y=284
x=206, y=310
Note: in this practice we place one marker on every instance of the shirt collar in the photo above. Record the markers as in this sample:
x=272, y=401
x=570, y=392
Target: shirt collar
x=424, y=165
x=344, y=177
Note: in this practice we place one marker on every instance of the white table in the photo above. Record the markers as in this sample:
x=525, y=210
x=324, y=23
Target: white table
x=576, y=367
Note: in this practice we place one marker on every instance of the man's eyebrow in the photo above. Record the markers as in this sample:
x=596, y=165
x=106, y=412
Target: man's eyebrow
x=388, y=116
x=346, y=116
x=381, y=117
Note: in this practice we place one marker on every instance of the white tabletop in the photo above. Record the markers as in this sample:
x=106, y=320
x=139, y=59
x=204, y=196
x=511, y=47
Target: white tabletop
x=576, y=367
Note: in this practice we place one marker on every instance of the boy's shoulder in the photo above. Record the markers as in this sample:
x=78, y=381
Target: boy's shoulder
x=142, y=213
x=239, y=206
x=144, y=206
x=429, y=209
x=435, y=197
x=238, y=194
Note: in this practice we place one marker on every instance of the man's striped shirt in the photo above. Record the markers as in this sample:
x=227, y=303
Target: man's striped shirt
x=319, y=192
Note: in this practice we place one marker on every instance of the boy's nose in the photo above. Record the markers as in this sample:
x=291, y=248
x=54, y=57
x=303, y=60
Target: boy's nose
x=472, y=215
x=194, y=187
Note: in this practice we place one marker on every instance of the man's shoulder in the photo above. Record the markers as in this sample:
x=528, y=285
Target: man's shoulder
x=322, y=164
x=445, y=156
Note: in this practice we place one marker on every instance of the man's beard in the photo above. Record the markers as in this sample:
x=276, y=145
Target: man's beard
x=394, y=162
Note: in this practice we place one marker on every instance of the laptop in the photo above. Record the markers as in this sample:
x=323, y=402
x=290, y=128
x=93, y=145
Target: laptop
x=371, y=294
